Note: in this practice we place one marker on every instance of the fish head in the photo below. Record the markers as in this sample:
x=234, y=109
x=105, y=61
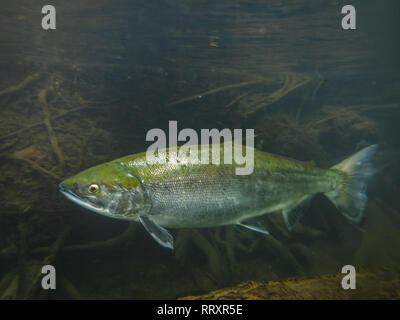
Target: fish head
x=109, y=190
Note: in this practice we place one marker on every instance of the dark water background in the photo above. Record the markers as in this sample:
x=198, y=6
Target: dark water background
x=112, y=70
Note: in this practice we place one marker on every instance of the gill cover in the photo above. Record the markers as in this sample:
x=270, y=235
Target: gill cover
x=159, y=234
x=132, y=185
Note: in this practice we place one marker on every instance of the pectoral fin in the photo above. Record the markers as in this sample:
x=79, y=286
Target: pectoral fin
x=254, y=226
x=161, y=235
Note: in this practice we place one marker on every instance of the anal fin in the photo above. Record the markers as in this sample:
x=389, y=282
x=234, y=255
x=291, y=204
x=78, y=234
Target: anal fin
x=293, y=215
x=161, y=235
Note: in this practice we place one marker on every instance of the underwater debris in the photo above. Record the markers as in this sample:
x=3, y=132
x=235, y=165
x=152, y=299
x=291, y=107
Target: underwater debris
x=29, y=153
x=70, y=289
x=345, y=116
x=233, y=243
x=230, y=104
x=291, y=135
x=10, y=253
x=5, y=147
x=37, y=167
x=251, y=103
x=22, y=85
x=224, y=249
x=350, y=116
x=216, y=90
x=216, y=263
x=14, y=286
x=52, y=97
x=47, y=121
x=41, y=123
x=9, y=286
x=256, y=102
x=23, y=281
x=320, y=81
x=221, y=249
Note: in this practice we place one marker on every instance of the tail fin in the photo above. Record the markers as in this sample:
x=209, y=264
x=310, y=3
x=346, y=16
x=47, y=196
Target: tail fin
x=350, y=198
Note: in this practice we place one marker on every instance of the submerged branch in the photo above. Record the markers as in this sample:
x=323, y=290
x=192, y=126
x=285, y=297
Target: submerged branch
x=20, y=86
x=11, y=252
x=341, y=112
x=292, y=82
x=47, y=122
x=230, y=104
x=41, y=123
x=35, y=166
x=214, y=91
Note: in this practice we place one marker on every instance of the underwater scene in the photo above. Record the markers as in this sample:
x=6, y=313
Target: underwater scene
x=198, y=149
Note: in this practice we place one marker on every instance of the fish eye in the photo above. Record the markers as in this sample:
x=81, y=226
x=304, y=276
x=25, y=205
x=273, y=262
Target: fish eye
x=93, y=188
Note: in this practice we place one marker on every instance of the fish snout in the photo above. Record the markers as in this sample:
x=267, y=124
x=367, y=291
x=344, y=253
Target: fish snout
x=64, y=187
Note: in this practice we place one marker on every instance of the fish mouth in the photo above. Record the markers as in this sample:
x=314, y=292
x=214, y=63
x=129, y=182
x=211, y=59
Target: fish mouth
x=85, y=203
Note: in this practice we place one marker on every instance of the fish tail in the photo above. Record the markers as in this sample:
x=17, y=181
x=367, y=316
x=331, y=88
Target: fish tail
x=350, y=196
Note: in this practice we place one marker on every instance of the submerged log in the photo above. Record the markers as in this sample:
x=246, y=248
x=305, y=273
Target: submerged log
x=381, y=285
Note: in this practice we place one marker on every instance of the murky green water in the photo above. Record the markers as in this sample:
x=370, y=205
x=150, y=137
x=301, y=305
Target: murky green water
x=89, y=91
